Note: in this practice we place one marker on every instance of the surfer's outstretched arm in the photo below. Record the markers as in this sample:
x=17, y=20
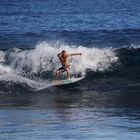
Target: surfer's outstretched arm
x=73, y=54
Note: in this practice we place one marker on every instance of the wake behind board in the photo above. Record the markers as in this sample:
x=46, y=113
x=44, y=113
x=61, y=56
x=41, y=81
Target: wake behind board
x=67, y=81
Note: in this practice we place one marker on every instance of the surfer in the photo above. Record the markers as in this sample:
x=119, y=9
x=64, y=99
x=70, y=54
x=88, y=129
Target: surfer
x=63, y=57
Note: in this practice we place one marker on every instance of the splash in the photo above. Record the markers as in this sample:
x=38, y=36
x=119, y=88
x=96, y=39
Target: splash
x=44, y=58
x=29, y=65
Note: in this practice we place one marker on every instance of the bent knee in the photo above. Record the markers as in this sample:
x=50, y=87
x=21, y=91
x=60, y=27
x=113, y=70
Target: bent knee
x=67, y=70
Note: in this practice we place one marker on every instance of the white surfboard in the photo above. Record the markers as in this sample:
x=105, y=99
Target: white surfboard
x=67, y=81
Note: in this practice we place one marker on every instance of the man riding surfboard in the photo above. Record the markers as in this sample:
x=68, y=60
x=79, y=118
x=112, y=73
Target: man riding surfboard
x=63, y=57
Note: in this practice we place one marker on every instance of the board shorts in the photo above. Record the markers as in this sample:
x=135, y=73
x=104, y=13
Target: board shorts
x=62, y=69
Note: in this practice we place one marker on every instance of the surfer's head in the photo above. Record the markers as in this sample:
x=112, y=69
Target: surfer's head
x=64, y=52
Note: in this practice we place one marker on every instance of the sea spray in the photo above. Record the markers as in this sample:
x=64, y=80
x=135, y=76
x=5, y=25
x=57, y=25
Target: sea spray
x=30, y=64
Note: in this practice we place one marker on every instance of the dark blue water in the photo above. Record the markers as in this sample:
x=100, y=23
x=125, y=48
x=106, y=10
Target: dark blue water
x=105, y=104
x=102, y=23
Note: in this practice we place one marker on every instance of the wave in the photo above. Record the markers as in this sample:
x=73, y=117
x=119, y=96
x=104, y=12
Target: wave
x=35, y=67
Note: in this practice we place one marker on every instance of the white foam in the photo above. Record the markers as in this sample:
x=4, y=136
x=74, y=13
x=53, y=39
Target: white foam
x=5, y=69
x=2, y=56
x=35, y=85
x=44, y=58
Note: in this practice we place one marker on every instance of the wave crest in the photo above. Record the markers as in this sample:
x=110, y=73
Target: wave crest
x=40, y=63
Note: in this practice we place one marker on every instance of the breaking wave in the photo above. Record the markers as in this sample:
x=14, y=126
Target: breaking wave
x=36, y=67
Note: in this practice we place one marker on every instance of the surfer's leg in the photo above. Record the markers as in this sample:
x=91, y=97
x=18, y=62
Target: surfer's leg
x=61, y=69
x=57, y=74
x=68, y=72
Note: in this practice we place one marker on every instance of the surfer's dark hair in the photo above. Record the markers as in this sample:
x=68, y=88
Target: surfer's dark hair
x=63, y=51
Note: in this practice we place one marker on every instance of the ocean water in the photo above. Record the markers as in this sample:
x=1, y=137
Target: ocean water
x=105, y=104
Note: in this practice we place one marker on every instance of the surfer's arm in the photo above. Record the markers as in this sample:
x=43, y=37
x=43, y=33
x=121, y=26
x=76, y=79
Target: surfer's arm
x=73, y=54
x=59, y=55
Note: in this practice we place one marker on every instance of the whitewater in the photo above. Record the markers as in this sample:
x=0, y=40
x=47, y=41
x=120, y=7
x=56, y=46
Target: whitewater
x=29, y=65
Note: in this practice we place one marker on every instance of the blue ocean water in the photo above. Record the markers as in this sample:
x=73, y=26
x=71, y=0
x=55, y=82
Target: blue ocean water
x=105, y=104
x=91, y=22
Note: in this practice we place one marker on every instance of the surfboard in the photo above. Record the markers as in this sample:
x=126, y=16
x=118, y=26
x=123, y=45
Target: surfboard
x=67, y=81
